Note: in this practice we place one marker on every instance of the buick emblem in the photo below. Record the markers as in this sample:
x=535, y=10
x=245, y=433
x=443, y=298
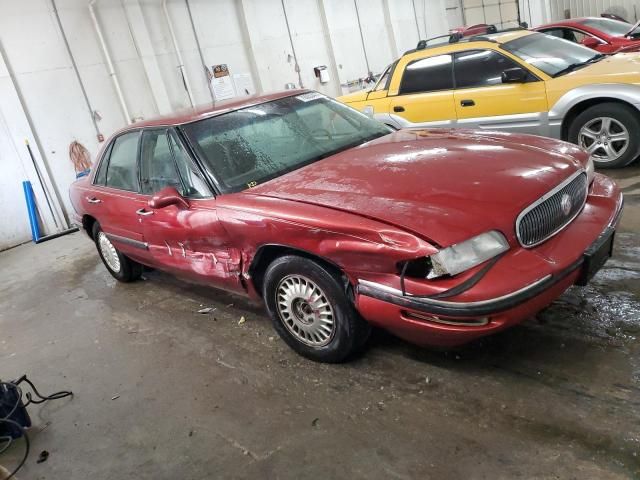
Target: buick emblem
x=565, y=204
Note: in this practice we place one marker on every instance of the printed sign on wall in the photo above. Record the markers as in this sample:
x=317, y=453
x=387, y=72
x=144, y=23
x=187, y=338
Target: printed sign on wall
x=221, y=83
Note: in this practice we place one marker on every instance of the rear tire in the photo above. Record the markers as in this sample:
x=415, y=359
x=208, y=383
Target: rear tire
x=121, y=267
x=609, y=131
x=310, y=310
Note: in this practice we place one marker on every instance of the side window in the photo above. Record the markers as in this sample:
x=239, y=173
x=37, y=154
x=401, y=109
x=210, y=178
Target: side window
x=194, y=185
x=570, y=34
x=157, y=168
x=554, y=32
x=576, y=36
x=481, y=68
x=383, y=81
x=121, y=171
x=101, y=175
x=427, y=75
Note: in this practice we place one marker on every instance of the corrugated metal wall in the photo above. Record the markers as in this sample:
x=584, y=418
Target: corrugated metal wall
x=560, y=9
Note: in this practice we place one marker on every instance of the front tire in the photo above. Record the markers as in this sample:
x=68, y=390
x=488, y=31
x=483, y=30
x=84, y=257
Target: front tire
x=609, y=132
x=310, y=310
x=121, y=267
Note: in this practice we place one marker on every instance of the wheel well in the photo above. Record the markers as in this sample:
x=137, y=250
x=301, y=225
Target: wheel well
x=87, y=224
x=268, y=253
x=581, y=107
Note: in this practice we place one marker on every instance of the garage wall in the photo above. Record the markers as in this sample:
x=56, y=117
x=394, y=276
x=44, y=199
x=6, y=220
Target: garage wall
x=42, y=100
x=501, y=13
x=539, y=12
x=535, y=12
x=35, y=89
x=560, y=9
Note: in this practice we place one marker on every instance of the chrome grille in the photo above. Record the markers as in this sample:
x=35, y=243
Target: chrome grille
x=552, y=212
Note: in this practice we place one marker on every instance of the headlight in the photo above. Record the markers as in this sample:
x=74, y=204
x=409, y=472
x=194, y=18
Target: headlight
x=465, y=255
x=590, y=169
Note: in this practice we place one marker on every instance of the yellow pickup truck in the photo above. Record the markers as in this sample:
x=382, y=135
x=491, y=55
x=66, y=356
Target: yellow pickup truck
x=515, y=81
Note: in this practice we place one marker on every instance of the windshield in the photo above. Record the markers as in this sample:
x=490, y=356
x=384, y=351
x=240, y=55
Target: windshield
x=615, y=28
x=552, y=55
x=244, y=148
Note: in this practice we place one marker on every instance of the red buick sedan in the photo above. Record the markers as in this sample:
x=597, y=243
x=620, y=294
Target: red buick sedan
x=605, y=35
x=337, y=223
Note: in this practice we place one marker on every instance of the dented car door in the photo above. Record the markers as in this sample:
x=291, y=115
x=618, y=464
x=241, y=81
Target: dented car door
x=185, y=236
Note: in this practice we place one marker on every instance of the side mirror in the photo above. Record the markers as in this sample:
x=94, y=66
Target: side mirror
x=590, y=42
x=168, y=196
x=368, y=111
x=514, y=75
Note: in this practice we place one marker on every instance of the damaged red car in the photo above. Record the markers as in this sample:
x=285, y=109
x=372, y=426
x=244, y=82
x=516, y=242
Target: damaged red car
x=337, y=223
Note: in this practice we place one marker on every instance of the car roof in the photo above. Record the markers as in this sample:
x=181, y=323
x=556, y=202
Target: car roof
x=470, y=42
x=506, y=36
x=569, y=22
x=213, y=109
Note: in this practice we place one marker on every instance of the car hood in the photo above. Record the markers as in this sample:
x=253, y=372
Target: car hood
x=619, y=68
x=360, y=96
x=443, y=185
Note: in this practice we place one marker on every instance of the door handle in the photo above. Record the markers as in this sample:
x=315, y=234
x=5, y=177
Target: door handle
x=398, y=108
x=93, y=200
x=144, y=212
x=467, y=103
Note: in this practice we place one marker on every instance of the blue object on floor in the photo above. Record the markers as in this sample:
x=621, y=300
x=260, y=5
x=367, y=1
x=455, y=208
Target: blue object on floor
x=31, y=208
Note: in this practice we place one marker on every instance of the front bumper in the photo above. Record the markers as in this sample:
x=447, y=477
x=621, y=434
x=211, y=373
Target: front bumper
x=432, y=321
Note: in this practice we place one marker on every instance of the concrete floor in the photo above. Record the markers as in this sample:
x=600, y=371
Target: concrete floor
x=201, y=396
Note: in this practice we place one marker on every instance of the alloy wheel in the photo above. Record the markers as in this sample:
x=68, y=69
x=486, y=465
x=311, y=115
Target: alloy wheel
x=305, y=310
x=605, y=138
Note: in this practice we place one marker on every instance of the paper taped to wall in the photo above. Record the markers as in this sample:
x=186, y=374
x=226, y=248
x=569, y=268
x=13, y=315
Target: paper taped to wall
x=221, y=83
x=244, y=84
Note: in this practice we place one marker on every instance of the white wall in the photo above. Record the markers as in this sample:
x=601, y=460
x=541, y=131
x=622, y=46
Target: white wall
x=501, y=13
x=539, y=12
x=629, y=9
x=430, y=17
x=42, y=101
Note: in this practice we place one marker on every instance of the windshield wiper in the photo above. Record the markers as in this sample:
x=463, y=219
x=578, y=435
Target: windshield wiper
x=577, y=65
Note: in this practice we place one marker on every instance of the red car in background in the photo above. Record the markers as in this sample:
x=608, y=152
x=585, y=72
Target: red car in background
x=606, y=35
x=336, y=222
x=479, y=29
